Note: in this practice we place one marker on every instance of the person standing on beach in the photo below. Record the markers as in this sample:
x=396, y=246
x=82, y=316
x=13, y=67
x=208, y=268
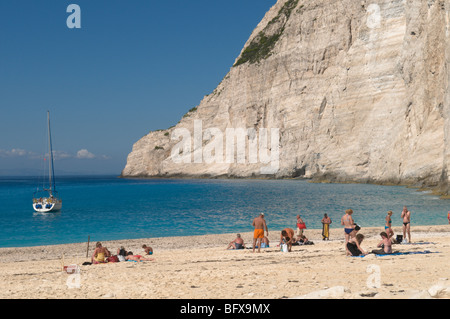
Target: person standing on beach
x=448, y=216
x=388, y=225
x=326, y=221
x=260, y=224
x=300, y=226
x=406, y=216
x=348, y=223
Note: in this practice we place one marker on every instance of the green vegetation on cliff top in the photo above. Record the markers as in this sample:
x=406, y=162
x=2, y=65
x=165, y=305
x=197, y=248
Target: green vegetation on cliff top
x=262, y=45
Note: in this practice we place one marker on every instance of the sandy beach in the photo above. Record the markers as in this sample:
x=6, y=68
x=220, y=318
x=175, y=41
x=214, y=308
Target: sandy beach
x=200, y=267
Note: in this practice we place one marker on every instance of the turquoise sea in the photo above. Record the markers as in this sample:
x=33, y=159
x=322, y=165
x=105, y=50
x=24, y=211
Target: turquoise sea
x=111, y=208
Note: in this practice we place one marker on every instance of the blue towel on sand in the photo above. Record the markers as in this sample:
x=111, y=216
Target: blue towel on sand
x=404, y=253
x=409, y=253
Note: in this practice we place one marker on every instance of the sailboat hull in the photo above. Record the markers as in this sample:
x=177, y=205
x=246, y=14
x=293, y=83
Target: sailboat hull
x=47, y=207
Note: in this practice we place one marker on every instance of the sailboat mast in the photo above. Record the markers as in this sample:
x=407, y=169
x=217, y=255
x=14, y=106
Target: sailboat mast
x=50, y=162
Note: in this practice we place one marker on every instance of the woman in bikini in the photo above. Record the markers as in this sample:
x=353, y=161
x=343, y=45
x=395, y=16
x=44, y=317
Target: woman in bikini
x=100, y=254
x=137, y=258
x=388, y=225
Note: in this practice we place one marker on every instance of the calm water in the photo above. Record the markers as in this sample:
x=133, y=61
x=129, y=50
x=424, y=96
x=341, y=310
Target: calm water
x=109, y=208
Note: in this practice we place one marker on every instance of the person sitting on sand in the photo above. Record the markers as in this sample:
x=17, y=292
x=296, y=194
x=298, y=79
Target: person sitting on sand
x=385, y=245
x=148, y=250
x=352, y=237
x=137, y=258
x=354, y=246
x=121, y=253
x=265, y=242
x=304, y=241
x=406, y=216
x=100, y=254
x=287, y=237
x=238, y=243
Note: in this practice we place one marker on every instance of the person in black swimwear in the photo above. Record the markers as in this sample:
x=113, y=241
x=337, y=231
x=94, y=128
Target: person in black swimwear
x=354, y=246
x=406, y=216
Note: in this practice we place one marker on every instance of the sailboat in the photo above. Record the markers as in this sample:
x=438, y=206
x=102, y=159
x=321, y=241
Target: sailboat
x=46, y=200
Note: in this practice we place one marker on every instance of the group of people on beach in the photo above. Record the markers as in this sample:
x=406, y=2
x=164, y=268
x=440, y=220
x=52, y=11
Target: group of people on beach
x=353, y=239
x=102, y=255
x=261, y=236
x=288, y=238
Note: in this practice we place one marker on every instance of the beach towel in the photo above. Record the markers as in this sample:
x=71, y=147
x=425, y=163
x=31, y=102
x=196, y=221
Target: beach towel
x=113, y=259
x=409, y=253
x=397, y=253
x=420, y=243
x=326, y=231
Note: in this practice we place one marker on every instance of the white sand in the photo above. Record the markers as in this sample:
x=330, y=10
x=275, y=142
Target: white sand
x=199, y=267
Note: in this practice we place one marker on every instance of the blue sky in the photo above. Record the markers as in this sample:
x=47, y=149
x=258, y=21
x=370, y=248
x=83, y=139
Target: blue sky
x=133, y=67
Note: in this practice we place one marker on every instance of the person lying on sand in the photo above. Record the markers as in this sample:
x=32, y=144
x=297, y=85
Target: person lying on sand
x=137, y=258
x=302, y=240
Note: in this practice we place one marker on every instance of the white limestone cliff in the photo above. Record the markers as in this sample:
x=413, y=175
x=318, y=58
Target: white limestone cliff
x=358, y=90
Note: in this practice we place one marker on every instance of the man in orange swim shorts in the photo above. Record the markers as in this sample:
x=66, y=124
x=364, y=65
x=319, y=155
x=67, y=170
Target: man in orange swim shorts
x=260, y=224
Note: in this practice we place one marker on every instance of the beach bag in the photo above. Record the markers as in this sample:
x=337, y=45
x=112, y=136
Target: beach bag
x=302, y=226
x=113, y=259
x=399, y=239
x=72, y=269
